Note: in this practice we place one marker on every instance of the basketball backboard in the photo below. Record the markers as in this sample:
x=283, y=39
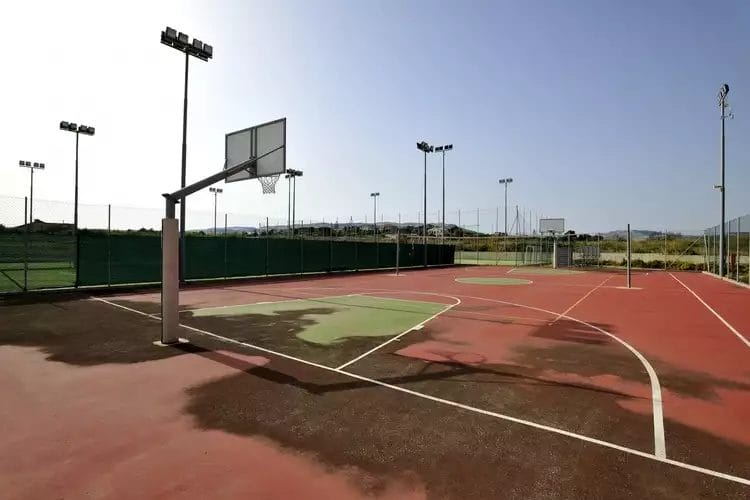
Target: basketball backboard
x=554, y=226
x=266, y=141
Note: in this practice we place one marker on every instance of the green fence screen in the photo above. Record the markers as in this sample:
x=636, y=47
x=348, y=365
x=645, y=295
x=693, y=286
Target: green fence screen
x=35, y=261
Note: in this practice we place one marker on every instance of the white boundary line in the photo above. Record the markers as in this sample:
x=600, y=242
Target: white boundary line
x=726, y=323
x=458, y=280
x=310, y=299
x=393, y=339
x=500, y=416
x=562, y=314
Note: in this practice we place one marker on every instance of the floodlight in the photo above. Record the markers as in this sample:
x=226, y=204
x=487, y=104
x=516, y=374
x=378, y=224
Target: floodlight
x=182, y=38
x=197, y=45
x=170, y=34
x=208, y=50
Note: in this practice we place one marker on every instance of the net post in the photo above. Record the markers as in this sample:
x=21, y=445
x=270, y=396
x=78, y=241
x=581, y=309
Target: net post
x=628, y=261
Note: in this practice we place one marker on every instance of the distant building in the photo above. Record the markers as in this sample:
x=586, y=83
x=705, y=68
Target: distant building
x=39, y=226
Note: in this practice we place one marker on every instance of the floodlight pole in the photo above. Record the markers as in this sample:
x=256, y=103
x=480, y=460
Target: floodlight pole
x=723, y=91
x=443, y=149
x=291, y=176
x=204, y=52
x=183, y=170
x=216, y=192
x=78, y=130
x=505, y=183
x=426, y=148
x=31, y=166
x=289, y=206
x=375, y=214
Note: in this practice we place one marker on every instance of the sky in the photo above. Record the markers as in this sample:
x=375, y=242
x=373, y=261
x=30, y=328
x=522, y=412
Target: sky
x=603, y=112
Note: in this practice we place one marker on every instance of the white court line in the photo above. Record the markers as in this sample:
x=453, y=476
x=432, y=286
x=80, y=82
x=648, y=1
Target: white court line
x=393, y=339
x=322, y=299
x=562, y=314
x=726, y=323
x=656, y=401
x=500, y=416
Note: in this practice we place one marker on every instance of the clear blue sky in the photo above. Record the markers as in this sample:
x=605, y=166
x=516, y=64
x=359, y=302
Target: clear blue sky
x=603, y=112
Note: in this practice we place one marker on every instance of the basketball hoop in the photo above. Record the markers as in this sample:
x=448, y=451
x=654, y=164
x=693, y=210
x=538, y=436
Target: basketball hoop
x=268, y=182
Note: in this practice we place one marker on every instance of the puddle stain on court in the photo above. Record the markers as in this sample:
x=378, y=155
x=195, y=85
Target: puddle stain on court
x=345, y=423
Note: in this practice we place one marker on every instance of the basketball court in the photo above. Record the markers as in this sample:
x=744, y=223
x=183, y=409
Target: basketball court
x=441, y=382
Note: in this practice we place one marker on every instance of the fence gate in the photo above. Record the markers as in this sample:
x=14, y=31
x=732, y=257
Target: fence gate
x=564, y=256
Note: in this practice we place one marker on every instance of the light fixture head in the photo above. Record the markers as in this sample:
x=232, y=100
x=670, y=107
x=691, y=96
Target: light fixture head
x=85, y=129
x=69, y=126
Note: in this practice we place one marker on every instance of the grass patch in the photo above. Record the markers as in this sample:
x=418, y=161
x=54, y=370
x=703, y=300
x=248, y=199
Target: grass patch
x=344, y=317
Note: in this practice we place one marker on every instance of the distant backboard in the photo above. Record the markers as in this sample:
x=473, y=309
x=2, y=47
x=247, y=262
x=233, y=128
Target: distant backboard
x=556, y=226
x=255, y=142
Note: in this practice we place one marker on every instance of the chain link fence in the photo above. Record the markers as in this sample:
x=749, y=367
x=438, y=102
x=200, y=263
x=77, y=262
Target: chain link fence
x=737, y=249
x=116, y=245
x=121, y=245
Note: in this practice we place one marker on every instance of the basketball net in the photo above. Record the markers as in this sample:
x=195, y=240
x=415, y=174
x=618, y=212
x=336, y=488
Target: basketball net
x=268, y=183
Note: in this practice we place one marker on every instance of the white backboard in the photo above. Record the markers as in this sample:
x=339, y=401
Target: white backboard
x=556, y=226
x=255, y=142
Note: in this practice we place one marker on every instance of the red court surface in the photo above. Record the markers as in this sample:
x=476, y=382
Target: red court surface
x=567, y=386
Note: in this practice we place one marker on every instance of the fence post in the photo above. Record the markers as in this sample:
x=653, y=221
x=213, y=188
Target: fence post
x=302, y=249
x=266, y=246
x=738, y=257
x=398, y=241
x=705, y=252
x=109, y=245
x=330, y=246
x=477, y=233
x=26, y=244
x=226, y=245
x=665, y=250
